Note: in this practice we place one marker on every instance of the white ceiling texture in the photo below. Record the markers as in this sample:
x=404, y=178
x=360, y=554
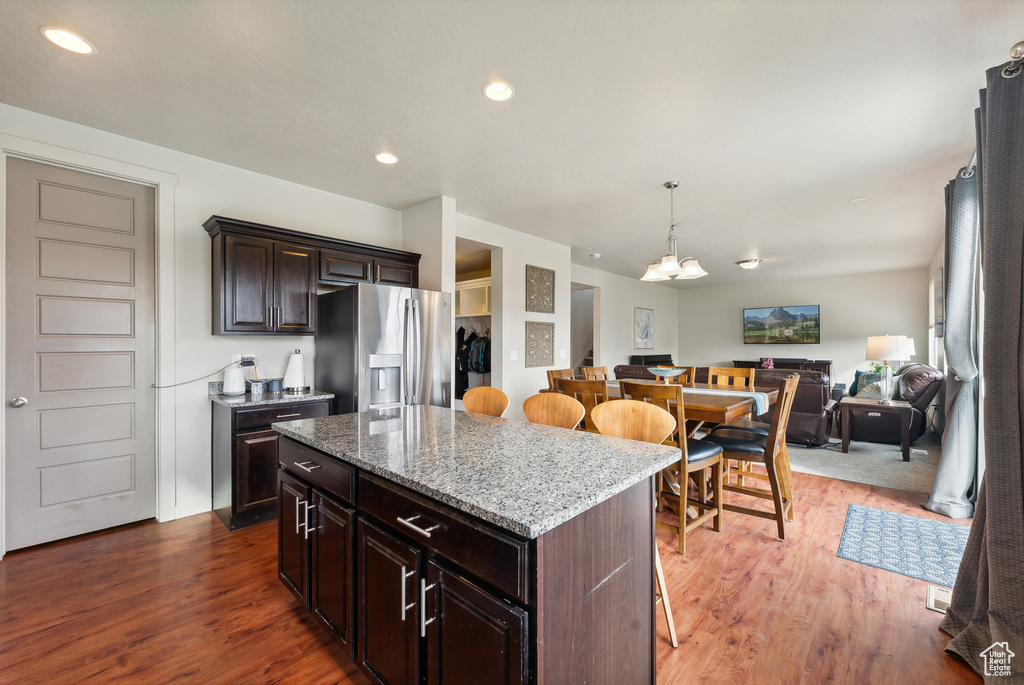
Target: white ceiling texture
x=772, y=115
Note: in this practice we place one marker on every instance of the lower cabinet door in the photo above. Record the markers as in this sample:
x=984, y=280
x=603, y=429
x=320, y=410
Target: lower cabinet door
x=389, y=627
x=256, y=476
x=331, y=592
x=471, y=636
x=292, y=545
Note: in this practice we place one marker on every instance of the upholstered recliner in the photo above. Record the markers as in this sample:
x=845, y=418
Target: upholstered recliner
x=810, y=421
x=917, y=384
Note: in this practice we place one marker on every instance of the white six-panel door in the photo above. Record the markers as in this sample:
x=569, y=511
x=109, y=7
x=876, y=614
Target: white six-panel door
x=80, y=347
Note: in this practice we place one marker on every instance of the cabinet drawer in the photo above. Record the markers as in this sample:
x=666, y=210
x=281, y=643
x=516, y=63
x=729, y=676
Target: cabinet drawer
x=474, y=545
x=317, y=468
x=249, y=419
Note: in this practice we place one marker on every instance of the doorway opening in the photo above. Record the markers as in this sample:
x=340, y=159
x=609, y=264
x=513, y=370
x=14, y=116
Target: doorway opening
x=584, y=342
x=474, y=299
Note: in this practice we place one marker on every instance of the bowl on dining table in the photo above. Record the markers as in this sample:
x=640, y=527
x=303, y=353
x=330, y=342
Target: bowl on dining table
x=666, y=372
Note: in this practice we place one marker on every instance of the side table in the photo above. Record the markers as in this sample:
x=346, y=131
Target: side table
x=867, y=404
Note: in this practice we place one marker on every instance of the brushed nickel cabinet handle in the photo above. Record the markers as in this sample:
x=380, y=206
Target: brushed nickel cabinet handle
x=424, y=621
x=285, y=416
x=425, y=532
x=307, y=469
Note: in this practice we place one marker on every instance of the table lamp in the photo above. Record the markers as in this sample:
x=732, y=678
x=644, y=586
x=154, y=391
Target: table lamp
x=882, y=348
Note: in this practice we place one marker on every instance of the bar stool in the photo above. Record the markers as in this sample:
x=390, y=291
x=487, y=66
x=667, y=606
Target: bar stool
x=636, y=420
x=485, y=400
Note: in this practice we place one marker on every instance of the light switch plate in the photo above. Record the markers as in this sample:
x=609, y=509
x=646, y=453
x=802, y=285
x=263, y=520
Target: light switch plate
x=561, y=354
x=513, y=355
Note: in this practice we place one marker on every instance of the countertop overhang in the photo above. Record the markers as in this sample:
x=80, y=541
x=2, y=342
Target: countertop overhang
x=523, y=477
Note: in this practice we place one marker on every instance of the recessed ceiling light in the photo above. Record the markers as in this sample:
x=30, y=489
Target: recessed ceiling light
x=595, y=255
x=748, y=263
x=386, y=158
x=859, y=199
x=67, y=40
x=499, y=90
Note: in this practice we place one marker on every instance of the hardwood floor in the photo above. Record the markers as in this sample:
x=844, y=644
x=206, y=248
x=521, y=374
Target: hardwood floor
x=190, y=602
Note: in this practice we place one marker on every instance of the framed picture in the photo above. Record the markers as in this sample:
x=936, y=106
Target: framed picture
x=785, y=325
x=540, y=290
x=643, y=328
x=540, y=343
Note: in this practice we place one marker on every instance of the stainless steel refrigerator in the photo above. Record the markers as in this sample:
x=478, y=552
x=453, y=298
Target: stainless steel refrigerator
x=380, y=346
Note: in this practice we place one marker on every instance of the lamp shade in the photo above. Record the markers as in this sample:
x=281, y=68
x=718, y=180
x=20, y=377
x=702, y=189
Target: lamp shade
x=884, y=347
x=690, y=268
x=669, y=266
x=908, y=348
x=652, y=273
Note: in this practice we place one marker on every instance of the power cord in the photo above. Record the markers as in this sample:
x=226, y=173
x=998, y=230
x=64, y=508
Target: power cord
x=245, y=361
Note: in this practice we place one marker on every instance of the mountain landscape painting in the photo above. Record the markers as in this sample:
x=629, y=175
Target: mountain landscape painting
x=782, y=325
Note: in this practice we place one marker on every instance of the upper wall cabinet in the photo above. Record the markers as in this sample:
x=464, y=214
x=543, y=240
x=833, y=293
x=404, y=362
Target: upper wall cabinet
x=265, y=278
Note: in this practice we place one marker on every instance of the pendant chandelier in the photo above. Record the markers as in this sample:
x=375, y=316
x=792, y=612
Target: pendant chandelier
x=669, y=266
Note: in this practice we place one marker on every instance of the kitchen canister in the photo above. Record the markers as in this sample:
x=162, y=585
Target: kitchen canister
x=256, y=389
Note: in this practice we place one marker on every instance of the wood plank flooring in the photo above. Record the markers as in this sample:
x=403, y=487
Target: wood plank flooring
x=190, y=602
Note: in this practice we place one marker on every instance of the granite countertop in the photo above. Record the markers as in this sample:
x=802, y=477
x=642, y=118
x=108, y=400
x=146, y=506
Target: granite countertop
x=524, y=478
x=266, y=398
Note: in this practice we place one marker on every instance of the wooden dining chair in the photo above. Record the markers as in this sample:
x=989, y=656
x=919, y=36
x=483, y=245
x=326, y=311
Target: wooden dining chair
x=553, y=409
x=635, y=420
x=699, y=461
x=588, y=393
x=732, y=377
x=557, y=373
x=595, y=373
x=485, y=400
x=729, y=376
x=748, y=447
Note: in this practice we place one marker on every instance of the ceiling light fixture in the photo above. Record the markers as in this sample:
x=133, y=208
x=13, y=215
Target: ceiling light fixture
x=669, y=266
x=67, y=40
x=859, y=199
x=748, y=263
x=499, y=90
x=386, y=158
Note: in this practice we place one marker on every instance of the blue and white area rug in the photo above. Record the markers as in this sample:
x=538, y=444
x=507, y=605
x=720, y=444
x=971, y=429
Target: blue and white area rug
x=910, y=545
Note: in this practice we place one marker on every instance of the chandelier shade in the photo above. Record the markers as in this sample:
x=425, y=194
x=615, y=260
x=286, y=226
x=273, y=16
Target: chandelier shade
x=669, y=266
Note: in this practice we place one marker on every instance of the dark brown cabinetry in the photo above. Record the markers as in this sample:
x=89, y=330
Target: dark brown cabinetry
x=264, y=286
x=265, y=278
x=823, y=365
x=413, y=617
x=245, y=458
x=316, y=554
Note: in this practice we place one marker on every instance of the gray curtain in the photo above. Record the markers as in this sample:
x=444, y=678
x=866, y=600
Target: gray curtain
x=956, y=483
x=988, y=596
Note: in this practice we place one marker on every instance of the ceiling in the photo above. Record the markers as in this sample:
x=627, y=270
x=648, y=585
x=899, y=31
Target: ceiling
x=772, y=115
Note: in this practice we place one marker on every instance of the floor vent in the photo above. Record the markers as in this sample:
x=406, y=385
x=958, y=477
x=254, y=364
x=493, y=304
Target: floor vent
x=938, y=598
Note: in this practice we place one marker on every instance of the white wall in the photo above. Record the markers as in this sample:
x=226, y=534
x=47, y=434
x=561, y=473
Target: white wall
x=205, y=188
x=511, y=252
x=852, y=308
x=616, y=296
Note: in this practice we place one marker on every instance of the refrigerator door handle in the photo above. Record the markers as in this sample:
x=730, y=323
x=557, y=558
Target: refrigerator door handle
x=405, y=351
x=415, y=336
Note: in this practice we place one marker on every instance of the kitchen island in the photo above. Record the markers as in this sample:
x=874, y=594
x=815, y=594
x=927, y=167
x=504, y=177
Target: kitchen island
x=441, y=546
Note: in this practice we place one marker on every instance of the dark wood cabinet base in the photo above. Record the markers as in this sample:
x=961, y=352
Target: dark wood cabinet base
x=585, y=612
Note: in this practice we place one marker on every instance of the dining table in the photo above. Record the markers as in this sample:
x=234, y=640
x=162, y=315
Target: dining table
x=709, y=407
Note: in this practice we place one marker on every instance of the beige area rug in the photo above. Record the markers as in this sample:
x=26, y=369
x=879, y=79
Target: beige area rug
x=872, y=463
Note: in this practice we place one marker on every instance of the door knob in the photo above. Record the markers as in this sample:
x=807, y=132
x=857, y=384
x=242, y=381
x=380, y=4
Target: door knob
x=19, y=402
